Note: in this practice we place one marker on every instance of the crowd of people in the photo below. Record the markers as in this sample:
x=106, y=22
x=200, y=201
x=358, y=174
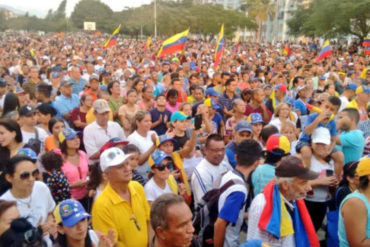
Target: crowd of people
x=116, y=147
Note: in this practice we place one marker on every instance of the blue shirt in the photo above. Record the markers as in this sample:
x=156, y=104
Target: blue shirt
x=330, y=125
x=352, y=144
x=230, y=153
x=78, y=87
x=161, y=128
x=300, y=106
x=64, y=104
x=261, y=176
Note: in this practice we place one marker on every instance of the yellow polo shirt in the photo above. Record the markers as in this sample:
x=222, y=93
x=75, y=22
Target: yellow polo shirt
x=110, y=211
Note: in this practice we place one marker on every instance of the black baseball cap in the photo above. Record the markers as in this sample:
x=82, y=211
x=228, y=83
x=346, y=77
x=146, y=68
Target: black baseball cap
x=292, y=166
x=26, y=110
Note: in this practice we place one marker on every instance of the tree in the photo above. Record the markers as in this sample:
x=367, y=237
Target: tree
x=333, y=18
x=61, y=11
x=259, y=10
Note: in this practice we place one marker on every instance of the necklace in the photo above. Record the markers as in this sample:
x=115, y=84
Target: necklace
x=28, y=204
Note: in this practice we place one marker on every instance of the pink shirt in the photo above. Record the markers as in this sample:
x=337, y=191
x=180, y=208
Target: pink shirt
x=172, y=109
x=76, y=173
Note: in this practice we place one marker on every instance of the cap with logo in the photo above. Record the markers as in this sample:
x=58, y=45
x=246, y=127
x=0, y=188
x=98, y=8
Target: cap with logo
x=351, y=86
x=255, y=118
x=112, y=157
x=363, y=89
x=28, y=152
x=292, y=166
x=243, y=125
x=164, y=138
x=363, y=167
x=178, y=116
x=211, y=92
x=115, y=141
x=67, y=134
x=69, y=212
x=101, y=106
x=158, y=156
x=26, y=110
x=278, y=144
x=321, y=135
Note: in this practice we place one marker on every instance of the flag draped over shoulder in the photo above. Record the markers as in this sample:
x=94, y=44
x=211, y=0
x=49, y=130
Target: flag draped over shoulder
x=366, y=45
x=287, y=50
x=219, y=47
x=325, y=51
x=113, y=38
x=173, y=44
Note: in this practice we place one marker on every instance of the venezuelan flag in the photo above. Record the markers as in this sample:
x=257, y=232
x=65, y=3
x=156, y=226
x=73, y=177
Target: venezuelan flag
x=287, y=50
x=325, y=51
x=366, y=45
x=275, y=218
x=219, y=47
x=113, y=38
x=173, y=44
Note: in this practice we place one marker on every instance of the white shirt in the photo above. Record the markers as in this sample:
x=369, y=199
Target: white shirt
x=344, y=101
x=42, y=134
x=95, y=136
x=153, y=191
x=254, y=232
x=190, y=164
x=204, y=177
x=143, y=143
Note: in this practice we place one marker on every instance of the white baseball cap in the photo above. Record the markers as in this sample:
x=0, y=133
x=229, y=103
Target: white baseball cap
x=321, y=135
x=112, y=157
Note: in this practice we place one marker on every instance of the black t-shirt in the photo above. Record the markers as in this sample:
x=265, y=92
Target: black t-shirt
x=180, y=142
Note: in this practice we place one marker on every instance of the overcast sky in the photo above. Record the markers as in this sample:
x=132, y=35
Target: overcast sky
x=42, y=6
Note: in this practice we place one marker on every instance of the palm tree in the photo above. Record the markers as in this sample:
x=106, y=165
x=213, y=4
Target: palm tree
x=260, y=10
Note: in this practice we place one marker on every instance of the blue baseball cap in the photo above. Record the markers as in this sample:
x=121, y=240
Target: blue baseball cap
x=178, y=116
x=322, y=77
x=158, y=156
x=67, y=133
x=28, y=152
x=255, y=118
x=211, y=103
x=352, y=86
x=54, y=74
x=165, y=138
x=243, y=125
x=289, y=101
x=71, y=212
x=211, y=91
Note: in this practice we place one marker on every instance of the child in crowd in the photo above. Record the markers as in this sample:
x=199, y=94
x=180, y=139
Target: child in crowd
x=133, y=160
x=160, y=116
x=54, y=177
x=172, y=104
x=289, y=130
x=323, y=119
x=351, y=139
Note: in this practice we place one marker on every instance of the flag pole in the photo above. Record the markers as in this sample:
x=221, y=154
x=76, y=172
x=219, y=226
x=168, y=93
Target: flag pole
x=155, y=18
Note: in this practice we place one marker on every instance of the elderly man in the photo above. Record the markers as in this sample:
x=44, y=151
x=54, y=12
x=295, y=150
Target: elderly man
x=78, y=83
x=171, y=221
x=67, y=101
x=101, y=130
x=279, y=215
x=122, y=206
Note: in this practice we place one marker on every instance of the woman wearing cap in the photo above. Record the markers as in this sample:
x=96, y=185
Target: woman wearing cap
x=282, y=114
x=75, y=165
x=161, y=181
x=128, y=111
x=257, y=122
x=317, y=200
x=354, y=213
x=73, y=227
x=301, y=101
x=56, y=125
x=33, y=198
x=10, y=143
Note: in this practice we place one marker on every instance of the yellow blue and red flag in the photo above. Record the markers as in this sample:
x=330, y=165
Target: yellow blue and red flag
x=173, y=44
x=366, y=45
x=113, y=38
x=287, y=50
x=325, y=51
x=219, y=47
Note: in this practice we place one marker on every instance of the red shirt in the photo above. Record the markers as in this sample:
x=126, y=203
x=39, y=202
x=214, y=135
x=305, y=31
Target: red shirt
x=249, y=109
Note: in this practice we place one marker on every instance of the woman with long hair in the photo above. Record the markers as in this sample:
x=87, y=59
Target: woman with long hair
x=144, y=139
x=128, y=111
x=55, y=126
x=138, y=86
x=75, y=165
x=349, y=182
x=11, y=103
x=79, y=113
x=115, y=99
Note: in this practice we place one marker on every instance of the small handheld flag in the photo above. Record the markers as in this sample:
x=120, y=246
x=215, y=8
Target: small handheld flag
x=173, y=44
x=219, y=47
x=366, y=45
x=113, y=38
x=325, y=51
x=287, y=50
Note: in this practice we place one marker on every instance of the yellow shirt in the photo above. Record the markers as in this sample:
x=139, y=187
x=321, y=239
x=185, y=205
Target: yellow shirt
x=110, y=211
x=90, y=117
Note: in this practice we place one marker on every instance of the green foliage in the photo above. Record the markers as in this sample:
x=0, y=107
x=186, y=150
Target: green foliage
x=2, y=21
x=332, y=19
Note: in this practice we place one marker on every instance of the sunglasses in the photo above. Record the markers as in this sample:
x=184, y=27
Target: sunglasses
x=162, y=167
x=26, y=175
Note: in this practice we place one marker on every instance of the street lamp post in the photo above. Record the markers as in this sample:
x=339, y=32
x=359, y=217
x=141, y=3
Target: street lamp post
x=155, y=18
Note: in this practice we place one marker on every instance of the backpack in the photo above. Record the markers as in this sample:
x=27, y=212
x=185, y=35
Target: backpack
x=206, y=213
x=35, y=143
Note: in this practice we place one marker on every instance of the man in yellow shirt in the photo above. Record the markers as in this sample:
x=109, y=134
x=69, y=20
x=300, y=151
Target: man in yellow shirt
x=122, y=205
x=361, y=101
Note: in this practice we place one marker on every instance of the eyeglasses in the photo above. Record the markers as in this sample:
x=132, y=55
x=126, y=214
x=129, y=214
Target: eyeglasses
x=26, y=175
x=162, y=167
